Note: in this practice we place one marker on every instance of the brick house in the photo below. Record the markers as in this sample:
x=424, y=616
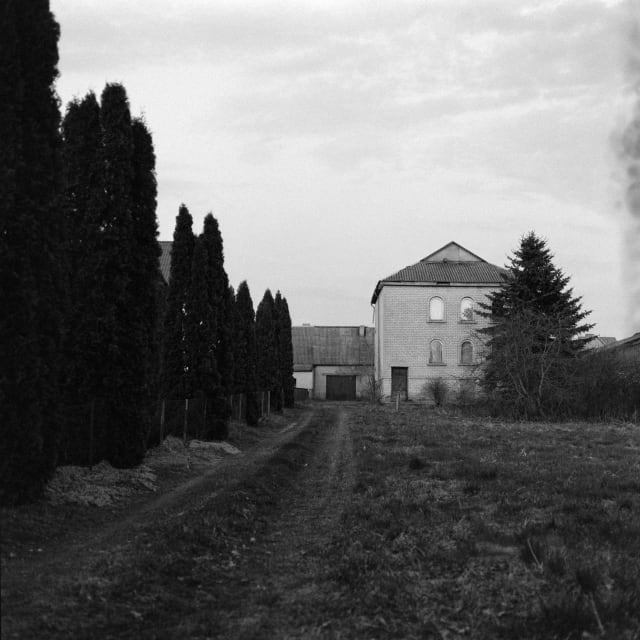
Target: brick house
x=426, y=322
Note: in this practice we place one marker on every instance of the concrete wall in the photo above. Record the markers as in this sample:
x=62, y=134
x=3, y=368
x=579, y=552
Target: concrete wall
x=320, y=373
x=304, y=379
x=404, y=333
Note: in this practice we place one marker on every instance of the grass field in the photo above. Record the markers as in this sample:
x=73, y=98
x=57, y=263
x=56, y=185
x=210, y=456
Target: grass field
x=412, y=524
x=464, y=528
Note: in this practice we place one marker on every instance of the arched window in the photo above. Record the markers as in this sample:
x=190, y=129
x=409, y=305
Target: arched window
x=466, y=310
x=436, y=309
x=435, y=352
x=466, y=352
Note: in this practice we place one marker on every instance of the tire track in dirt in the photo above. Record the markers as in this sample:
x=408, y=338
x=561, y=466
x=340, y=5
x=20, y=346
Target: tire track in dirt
x=282, y=575
x=30, y=581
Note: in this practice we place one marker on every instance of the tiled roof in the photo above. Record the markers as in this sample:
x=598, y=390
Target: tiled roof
x=446, y=271
x=458, y=272
x=332, y=346
x=165, y=259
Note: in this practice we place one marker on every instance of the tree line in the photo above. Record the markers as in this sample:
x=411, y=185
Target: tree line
x=90, y=334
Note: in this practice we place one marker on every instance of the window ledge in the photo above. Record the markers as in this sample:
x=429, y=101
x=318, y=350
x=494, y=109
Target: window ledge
x=437, y=364
x=467, y=322
x=437, y=321
x=466, y=364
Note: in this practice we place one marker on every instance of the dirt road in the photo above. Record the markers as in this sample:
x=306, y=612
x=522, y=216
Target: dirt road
x=230, y=554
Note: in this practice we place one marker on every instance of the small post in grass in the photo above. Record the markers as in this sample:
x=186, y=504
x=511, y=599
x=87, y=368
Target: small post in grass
x=186, y=413
x=92, y=415
x=162, y=421
x=397, y=402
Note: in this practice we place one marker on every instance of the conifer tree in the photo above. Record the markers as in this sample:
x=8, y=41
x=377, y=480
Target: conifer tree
x=246, y=354
x=218, y=288
x=145, y=278
x=31, y=249
x=535, y=330
x=124, y=374
x=286, y=354
x=266, y=345
x=86, y=349
x=175, y=358
x=277, y=399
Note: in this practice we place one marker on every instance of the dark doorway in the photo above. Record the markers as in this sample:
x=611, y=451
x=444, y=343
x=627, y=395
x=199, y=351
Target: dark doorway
x=341, y=387
x=399, y=382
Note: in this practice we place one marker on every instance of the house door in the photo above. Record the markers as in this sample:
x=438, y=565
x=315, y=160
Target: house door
x=399, y=382
x=341, y=387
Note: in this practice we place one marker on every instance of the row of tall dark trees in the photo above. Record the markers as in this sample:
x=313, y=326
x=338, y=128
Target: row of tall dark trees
x=87, y=350
x=214, y=344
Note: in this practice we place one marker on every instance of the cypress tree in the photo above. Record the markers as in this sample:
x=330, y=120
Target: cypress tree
x=286, y=354
x=175, y=358
x=146, y=280
x=277, y=400
x=31, y=249
x=218, y=290
x=87, y=341
x=266, y=345
x=124, y=372
x=246, y=353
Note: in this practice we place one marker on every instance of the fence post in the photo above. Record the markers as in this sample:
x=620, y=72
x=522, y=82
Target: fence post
x=92, y=414
x=397, y=401
x=204, y=418
x=162, y=422
x=186, y=413
x=240, y=408
x=268, y=403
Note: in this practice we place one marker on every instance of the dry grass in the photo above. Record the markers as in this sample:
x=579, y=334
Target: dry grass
x=463, y=528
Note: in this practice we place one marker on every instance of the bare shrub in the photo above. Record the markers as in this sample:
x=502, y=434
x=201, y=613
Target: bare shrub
x=373, y=390
x=438, y=390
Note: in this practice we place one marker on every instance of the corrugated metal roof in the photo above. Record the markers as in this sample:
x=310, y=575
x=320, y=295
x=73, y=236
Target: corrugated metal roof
x=332, y=346
x=165, y=259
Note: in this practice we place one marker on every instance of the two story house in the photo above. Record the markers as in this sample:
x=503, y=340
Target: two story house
x=426, y=322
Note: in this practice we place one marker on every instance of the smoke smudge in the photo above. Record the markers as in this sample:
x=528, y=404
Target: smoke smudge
x=629, y=153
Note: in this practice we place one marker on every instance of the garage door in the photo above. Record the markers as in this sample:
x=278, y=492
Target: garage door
x=341, y=387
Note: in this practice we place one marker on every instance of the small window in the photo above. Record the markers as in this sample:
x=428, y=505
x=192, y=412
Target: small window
x=466, y=352
x=466, y=310
x=435, y=352
x=436, y=309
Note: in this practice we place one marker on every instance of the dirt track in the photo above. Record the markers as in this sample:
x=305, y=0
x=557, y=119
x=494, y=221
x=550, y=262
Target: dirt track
x=39, y=594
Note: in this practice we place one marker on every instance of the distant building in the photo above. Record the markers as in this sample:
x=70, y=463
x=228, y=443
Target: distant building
x=426, y=322
x=333, y=363
x=629, y=348
x=165, y=259
x=598, y=342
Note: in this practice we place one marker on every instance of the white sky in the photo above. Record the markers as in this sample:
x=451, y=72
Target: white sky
x=337, y=142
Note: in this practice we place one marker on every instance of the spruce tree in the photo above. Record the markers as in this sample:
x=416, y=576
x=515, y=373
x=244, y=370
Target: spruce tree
x=32, y=276
x=286, y=354
x=175, y=357
x=535, y=331
x=266, y=345
x=246, y=354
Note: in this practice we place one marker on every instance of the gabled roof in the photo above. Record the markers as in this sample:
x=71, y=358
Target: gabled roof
x=332, y=346
x=165, y=259
x=451, y=264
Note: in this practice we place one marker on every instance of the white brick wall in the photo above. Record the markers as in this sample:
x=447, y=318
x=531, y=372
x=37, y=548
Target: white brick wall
x=404, y=333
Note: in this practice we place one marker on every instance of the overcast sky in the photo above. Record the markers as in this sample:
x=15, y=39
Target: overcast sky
x=337, y=142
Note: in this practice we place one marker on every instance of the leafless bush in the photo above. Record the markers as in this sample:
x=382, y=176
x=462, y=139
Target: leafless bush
x=438, y=390
x=373, y=390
